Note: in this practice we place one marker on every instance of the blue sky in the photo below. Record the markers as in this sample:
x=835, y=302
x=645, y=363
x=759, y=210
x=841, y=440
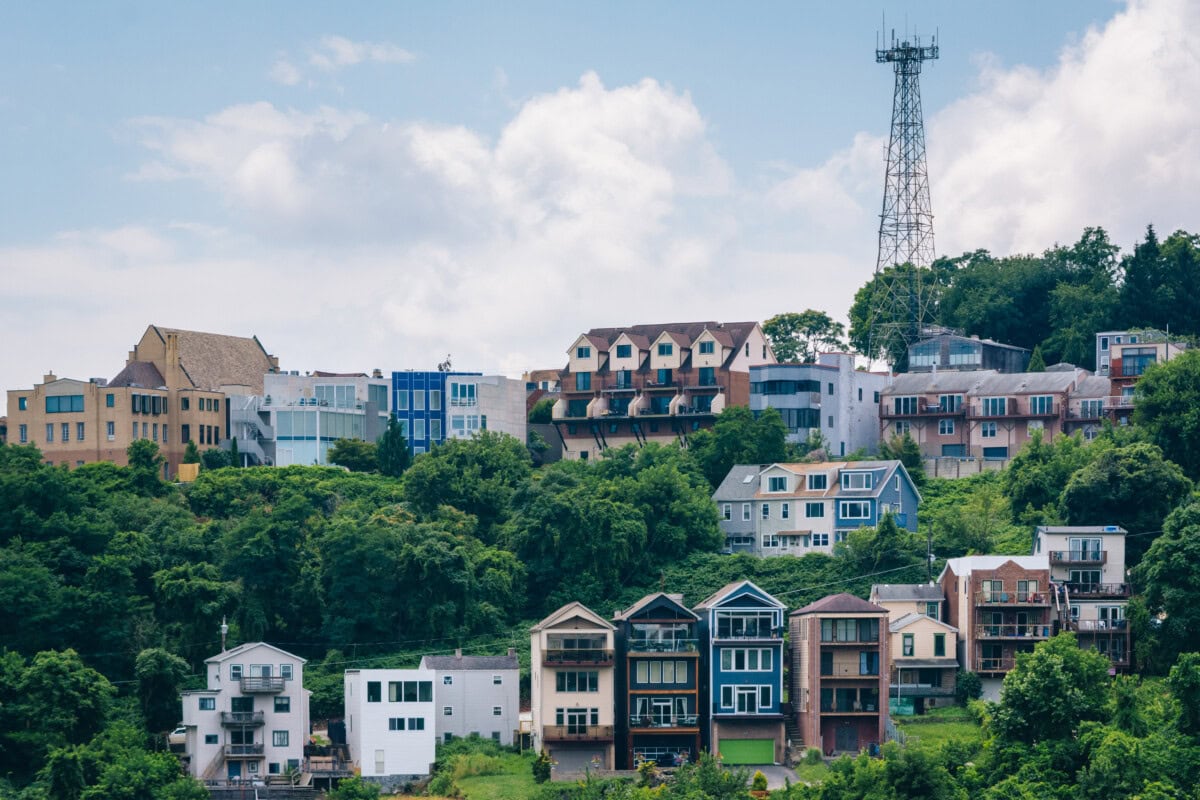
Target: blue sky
x=378, y=184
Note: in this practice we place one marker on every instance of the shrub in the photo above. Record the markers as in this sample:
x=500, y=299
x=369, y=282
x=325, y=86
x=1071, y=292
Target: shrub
x=759, y=782
x=967, y=687
x=813, y=756
x=541, y=767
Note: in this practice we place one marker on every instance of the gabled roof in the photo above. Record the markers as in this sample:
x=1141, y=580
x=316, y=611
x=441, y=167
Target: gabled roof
x=599, y=342
x=737, y=332
x=676, y=600
x=573, y=609
x=909, y=619
x=1029, y=382
x=461, y=663
x=735, y=486
x=212, y=360
x=1093, y=386
x=141, y=374
x=842, y=603
x=967, y=564
x=721, y=336
x=731, y=590
x=919, y=592
x=245, y=647
x=941, y=382
x=638, y=341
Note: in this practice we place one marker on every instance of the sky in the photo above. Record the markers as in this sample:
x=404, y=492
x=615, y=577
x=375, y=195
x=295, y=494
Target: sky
x=378, y=185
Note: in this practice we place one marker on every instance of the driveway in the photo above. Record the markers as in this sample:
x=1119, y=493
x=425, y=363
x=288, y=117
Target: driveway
x=776, y=776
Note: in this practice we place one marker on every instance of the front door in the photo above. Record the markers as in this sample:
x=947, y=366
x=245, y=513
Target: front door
x=235, y=770
x=577, y=720
x=847, y=738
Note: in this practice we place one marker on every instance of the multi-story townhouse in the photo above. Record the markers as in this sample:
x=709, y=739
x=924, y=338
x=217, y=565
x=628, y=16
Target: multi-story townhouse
x=653, y=383
x=949, y=352
x=839, y=680
x=983, y=414
x=299, y=417
x=829, y=397
x=572, y=688
x=923, y=664
x=172, y=391
x=1087, y=565
x=1124, y=355
x=783, y=509
x=659, y=712
x=390, y=727
x=3, y=431
x=432, y=407
x=478, y=695
x=741, y=631
x=1001, y=606
x=252, y=720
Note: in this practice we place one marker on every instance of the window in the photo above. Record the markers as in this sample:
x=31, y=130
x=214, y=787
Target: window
x=583, y=352
x=770, y=540
x=402, y=400
x=855, y=509
x=706, y=348
x=1035, y=425
x=208, y=704
x=66, y=431
x=831, y=388
x=447, y=711
x=708, y=376
x=1026, y=591
x=624, y=351
x=995, y=406
x=814, y=510
x=212, y=738
x=435, y=430
x=987, y=430
x=24, y=433
x=419, y=429
x=903, y=427
x=497, y=680
x=22, y=404
x=279, y=738
x=50, y=431
x=939, y=645
x=745, y=512
x=766, y=511
x=396, y=723
x=666, y=349
x=856, y=480
x=577, y=681
x=235, y=672
x=904, y=405
x=746, y=660
x=64, y=404
x=185, y=433
x=418, y=400
x=283, y=705
x=868, y=662
x=820, y=540
x=1089, y=409
x=727, y=510
x=1104, y=343
x=908, y=645
x=447, y=680
x=950, y=402
x=785, y=511
x=931, y=610
x=109, y=400
x=663, y=377
x=818, y=483
x=497, y=711
x=374, y=692
x=154, y=431
x=184, y=404
x=1041, y=404
x=583, y=381
x=416, y=723
x=945, y=427
x=1134, y=360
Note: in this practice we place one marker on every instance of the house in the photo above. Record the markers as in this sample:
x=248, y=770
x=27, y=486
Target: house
x=481, y=693
x=838, y=680
x=172, y=391
x=1001, y=606
x=251, y=722
x=1125, y=355
x=653, y=383
x=923, y=665
x=390, y=727
x=794, y=509
x=981, y=414
x=572, y=687
x=948, y=352
x=741, y=631
x=1087, y=564
x=298, y=418
x=830, y=398
x=432, y=407
x=659, y=709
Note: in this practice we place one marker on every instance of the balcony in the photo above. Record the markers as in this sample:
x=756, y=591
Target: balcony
x=261, y=685
x=1073, y=558
x=233, y=751
x=1014, y=630
x=1012, y=599
x=991, y=665
x=1098, y=591
x=834, y=641
x=1101, y=626
x=1013, y=411
x=578, y=657
x=240, y=719
x=922, y=410
x=577, y=733
x=848, y=672
x=721, y=711
x=856, y=710
x=654, y=723
x=667, y=646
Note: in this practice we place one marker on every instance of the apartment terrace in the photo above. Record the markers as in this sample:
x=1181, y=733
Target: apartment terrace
x=1078, y=558
x=1098, y=591
x=1018, y=598
x=1098, y=408
x=577, y=657
x=577, y=733
x=1012, y=630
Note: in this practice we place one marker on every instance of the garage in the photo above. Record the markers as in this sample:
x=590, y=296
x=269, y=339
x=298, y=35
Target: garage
x=747, y=751
x=577, y=759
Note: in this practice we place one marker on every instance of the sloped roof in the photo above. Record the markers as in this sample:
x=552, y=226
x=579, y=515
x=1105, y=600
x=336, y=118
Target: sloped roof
x=737, y=332
x=316, y=373
x=735, y=486
x=944, y=382
x=921, y=592
x=967, y=564
x=459, y=663
x=842, y=603
x=573, y=609
x=142, y=374
x=1028, y=382
x=211, y=360
x=1093, y=386
x=720, y=595
x=247, y=646
x=674, y=599
x=910, y=618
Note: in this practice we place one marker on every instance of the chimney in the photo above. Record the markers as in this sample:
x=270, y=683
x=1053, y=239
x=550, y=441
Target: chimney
x=458, y=652
x=49, y=377
x=376, y=373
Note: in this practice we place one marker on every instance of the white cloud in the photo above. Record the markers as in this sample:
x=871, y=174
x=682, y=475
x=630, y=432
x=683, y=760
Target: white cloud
x=285, y=72
x=336, y=52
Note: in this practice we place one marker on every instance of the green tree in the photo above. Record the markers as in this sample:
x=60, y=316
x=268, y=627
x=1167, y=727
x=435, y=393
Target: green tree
x=354, y=788
x=392, y=451
x=1184, y=682
x=1167, y=407
x=145, y=467
x=881, y=327
x=738, y=437
x=1159, y=284
x=542, y=412
x=355, y=455
x=160, y=674
x=1170, y=575
x=885, y=547
x=191, y=453
x=1036, y=477
x=801, y=336
x=905, y=450
x=1051, y=691
x=214, y=458
x=1037, y=362
x=235, y=458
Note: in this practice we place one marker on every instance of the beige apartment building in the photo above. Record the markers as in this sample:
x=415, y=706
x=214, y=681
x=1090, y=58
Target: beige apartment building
x=172, y=391
x=924, y=649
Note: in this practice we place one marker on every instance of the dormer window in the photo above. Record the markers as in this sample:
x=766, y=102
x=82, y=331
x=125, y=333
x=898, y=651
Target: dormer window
x=818, y=482
x=665, y=349
x=583, y=352
x=856, y=480
x=706, y=348
x=777, y=483
x=624, y=350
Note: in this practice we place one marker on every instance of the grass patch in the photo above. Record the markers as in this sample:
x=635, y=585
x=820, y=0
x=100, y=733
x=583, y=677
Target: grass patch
x=812, y=773
x=511, y=780
x=931, y=731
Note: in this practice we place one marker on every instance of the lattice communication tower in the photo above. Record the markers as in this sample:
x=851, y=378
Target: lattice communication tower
x=902, y=308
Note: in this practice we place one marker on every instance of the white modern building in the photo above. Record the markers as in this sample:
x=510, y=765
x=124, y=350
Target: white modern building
x=390, y=725
x=477, y=695
x=252, y=720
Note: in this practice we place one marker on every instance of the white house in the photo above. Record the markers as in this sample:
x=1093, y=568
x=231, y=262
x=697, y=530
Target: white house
x=476, y=695
x=390, y=725
x=252, y=720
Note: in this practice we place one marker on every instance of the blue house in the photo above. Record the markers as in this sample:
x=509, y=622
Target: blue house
x=741, y=632
x=869, y=489
x=419, y=403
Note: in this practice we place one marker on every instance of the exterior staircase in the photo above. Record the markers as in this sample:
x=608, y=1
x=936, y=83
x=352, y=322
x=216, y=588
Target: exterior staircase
x=794, y=752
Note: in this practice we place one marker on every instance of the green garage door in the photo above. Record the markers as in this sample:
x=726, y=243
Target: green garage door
x=747, y=751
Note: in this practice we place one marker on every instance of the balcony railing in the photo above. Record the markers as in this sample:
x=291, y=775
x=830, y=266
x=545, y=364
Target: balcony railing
x=1003, y=664
x=253, y=685
x=1078, y=557
x=923, y=410
x=1101, y=626
x=1013, y=411
x=243, y=750
x=656, y=722
x=577, y=733
x=995, y=598
x=1079, y=591
x=1109, y=405
x=859, y=640
x=670, y=646
x=850, y=671
x=988, y=630
x=578, y=656
x=240, y=718
x=857, y=708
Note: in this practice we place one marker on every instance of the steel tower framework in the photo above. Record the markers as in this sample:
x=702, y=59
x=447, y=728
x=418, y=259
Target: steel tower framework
x=901, y=307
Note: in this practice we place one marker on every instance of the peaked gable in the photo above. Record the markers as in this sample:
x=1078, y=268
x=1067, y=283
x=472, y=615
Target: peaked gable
x=574, y=613
x=742, y=594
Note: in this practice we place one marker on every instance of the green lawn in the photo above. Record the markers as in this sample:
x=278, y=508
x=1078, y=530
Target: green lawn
x=812, y=773
x=516, y=783
x=931, y=731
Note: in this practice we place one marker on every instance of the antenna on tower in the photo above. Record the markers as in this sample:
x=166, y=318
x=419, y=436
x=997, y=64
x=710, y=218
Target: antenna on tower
x=901, y=307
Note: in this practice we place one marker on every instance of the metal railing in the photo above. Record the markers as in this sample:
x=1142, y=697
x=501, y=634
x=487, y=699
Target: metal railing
x=1007, y=630
x=251, y=684
x=1003, y=664
x=577, y=656
x=1078, y=591
x=995, y=598
x=668, y=646
x=681, y=721
x=1100, y=626
x=242, y=718
x=856, y=708
x=243, y=750
x=577, y=733
x=1078, y=557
